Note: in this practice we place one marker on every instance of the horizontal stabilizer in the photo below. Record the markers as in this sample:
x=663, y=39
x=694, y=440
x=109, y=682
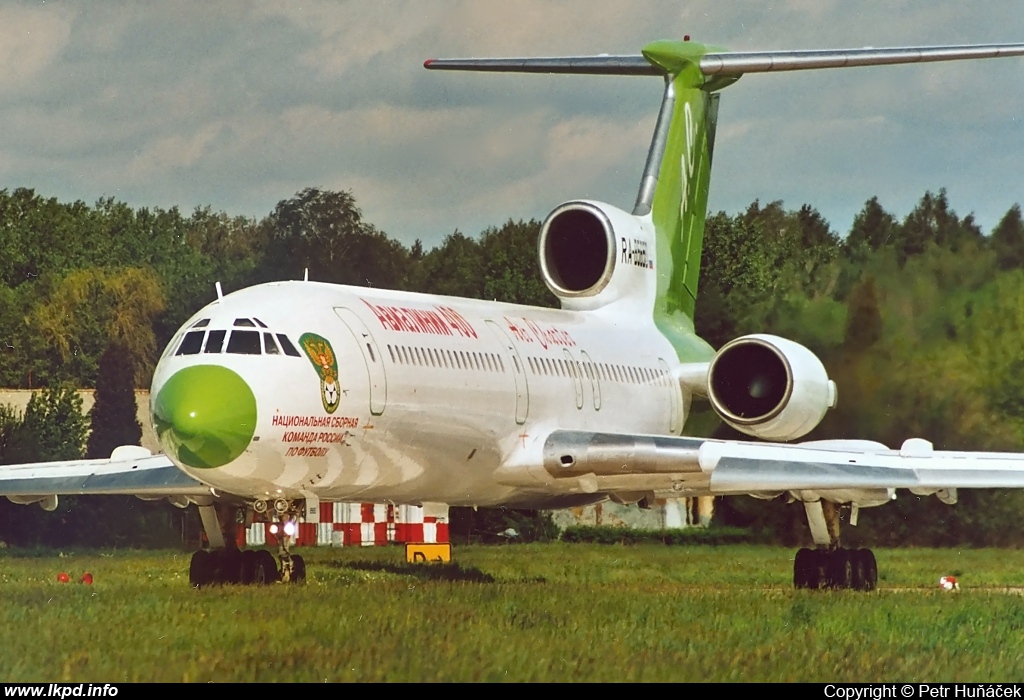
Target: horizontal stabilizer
x=767, y=61
x=732, y=63
x=584, y=65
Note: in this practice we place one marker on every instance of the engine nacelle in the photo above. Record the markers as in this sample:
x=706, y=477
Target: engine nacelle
x=592, y=254
x=769, y=387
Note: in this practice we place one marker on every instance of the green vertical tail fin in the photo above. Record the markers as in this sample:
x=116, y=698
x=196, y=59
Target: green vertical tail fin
x=676, y=181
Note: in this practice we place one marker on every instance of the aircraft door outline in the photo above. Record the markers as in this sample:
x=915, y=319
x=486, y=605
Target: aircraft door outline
x=595, y=381
x=577, y=375
x=675, y=399
x=372, y=358
x=518, y=371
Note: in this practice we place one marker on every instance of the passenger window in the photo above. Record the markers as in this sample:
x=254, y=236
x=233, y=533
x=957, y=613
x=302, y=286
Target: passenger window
x=245, y=323
x=192, y=344
x=287, y=346
x=501, y=364
x=244, y=343
x=392, y=353
x=269, y=346
x=215, y=343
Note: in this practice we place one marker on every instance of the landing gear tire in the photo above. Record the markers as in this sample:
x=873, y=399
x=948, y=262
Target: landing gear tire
x=298, y=569
x=248, y=567
x=265, y=571
x=865, y=570
x=802, y=568
x=200, y=569
x=817, y=576
x=840, y=569
x=229, y=566
x=837, y=569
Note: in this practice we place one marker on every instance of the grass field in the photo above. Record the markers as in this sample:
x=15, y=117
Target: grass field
x=562, y=612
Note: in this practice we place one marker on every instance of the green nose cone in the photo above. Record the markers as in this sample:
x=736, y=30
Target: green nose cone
x=205, y=416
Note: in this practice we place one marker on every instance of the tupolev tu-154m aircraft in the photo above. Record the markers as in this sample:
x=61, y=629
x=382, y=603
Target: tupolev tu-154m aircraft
x=274, y=397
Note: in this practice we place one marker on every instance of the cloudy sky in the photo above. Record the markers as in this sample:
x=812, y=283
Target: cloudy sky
x=238, y=105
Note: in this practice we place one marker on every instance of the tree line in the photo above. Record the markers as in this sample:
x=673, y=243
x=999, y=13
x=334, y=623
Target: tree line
x=917, y=319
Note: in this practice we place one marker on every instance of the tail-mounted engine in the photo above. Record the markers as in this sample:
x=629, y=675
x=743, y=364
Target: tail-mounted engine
x=592, y=254
x=769, y=387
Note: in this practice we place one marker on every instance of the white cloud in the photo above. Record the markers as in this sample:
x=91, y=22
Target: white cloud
x=31, y=39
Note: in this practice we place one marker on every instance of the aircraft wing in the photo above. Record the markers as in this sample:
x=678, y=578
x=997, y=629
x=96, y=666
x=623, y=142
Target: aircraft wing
x=609, y=460
x=127, y=472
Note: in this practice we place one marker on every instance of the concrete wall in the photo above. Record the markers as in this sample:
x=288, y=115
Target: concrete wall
x=668, y=514
x=19, y=399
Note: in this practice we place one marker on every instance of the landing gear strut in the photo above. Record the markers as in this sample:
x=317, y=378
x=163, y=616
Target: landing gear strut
x=829, y=565
x=225, y=563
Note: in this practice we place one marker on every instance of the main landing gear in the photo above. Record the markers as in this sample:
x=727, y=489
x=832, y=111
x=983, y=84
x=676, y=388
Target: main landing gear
x=225, y=563
x=830, y=565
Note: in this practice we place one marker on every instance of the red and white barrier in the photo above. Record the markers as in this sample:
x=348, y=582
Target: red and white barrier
x=361, y=524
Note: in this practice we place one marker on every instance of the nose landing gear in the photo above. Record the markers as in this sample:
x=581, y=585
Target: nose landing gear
x=225, y=563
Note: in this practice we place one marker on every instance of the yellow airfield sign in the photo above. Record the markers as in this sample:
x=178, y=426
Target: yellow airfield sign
x=421, y=553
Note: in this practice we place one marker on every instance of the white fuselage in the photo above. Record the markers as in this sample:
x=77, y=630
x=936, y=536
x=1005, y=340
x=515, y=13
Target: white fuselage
x=433, y=394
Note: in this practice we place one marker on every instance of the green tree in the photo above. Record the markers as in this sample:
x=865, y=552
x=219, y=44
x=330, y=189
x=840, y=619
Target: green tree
x=1008, y=240
x=93, y=306
x=454, y=268
x=54, y=425
x=10, y=426
x=324, y=232
x=511, y=269
x=864, y=318
x=872, y=228
x=113, y=420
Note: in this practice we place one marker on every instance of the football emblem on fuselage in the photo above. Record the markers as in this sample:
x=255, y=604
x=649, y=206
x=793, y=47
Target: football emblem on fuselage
x=319, y=351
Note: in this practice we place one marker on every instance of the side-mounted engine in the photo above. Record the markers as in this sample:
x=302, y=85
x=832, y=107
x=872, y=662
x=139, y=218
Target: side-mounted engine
x=769, y=387
x=592, y=254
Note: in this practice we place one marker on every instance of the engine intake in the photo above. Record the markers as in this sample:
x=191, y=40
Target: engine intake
x=577, y=250
x=769, y=387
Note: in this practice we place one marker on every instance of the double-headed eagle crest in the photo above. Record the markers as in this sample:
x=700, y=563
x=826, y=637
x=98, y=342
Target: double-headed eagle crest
x=319, y=351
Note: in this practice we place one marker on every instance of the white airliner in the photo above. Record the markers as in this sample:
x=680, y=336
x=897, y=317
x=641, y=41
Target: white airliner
x=280, y=395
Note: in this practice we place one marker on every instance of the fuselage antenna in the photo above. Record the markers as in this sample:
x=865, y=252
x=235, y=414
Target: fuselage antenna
x=220, y=292
x=305, y=275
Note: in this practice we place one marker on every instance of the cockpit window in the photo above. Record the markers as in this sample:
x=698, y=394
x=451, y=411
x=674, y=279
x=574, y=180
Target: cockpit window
x=244, y=322
x=215, y=343
x=287, y=346
x=269, y=346
x=192, y=343
x=244, y=343
x=201, y=323
x=259, y=323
